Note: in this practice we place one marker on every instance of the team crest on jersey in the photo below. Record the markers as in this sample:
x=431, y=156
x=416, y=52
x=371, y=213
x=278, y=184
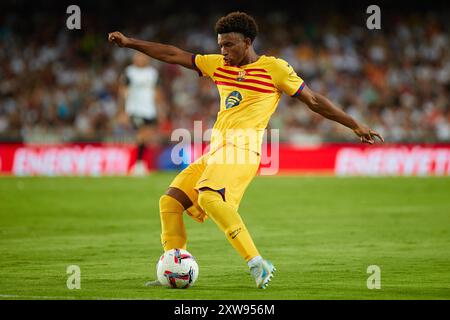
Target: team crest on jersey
x=241, y=75
x=233, y=99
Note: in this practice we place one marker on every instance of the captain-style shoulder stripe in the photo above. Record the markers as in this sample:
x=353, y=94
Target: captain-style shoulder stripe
x=243, y=86
x=263, y=83
x=299, y=90
x=194, y=66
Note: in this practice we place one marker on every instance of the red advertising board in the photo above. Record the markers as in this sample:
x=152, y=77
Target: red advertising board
x=367, y=160
x=338, y=159
x=65, y=160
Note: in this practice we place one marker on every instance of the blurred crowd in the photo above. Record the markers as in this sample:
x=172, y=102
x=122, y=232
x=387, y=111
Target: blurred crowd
x=60, y=85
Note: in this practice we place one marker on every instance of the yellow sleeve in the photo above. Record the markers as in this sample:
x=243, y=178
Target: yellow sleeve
x=207, y=64
x=286, y=79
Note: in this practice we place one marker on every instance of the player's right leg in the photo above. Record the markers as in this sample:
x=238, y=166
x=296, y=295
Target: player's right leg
x=171, y=207
x=173, y=233
x=180, y=196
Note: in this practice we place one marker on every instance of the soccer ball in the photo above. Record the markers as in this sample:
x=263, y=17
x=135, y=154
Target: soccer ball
x=177, y=268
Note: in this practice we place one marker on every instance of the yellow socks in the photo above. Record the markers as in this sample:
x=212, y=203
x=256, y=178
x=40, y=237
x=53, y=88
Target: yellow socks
x=229, y=221
x=223, y=214
x=173, y=231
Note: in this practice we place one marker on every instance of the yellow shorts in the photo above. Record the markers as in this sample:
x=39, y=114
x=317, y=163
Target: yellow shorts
x=229, y=170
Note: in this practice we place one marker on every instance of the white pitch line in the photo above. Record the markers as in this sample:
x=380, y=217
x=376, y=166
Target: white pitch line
x=64, y=297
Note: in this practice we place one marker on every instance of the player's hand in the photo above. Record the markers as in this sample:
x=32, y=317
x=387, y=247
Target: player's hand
x=118, y=38
x=367, y=135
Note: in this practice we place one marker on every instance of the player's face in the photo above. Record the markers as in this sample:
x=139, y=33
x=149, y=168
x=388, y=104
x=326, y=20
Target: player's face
x=234, y=47
x=140, y=59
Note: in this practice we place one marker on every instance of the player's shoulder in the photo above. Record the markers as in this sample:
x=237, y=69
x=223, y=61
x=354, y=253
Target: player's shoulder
x=277, y=64
x=211, y=57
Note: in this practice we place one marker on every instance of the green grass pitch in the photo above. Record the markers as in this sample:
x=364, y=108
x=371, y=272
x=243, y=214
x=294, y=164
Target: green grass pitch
x=321, y=233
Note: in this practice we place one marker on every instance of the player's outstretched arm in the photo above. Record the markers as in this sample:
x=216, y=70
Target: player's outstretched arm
x=320, y=104
x=159, y=51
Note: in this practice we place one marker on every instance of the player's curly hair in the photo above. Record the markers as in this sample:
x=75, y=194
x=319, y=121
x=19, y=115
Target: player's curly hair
x=238, y=22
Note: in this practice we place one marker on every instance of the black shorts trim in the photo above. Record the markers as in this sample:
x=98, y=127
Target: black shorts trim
x=139, y=122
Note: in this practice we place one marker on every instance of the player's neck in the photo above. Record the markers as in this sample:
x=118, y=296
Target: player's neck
x=250, y=58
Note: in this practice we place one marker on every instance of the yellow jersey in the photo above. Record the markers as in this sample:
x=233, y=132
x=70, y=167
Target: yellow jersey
x=249, y=95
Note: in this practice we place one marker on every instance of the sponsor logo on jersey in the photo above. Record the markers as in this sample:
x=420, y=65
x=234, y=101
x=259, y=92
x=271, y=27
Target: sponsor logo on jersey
x=233, y=99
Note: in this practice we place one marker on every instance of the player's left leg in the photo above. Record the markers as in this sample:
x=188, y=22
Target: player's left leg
x=229, y=221
x=221, y=188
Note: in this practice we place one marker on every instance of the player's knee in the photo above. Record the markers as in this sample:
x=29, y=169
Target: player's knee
x=202, y=200
x=168, y=204
x=180, y=196
x=207, y=198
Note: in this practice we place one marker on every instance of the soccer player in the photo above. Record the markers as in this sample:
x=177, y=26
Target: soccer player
x=142, y=98
x=250, y=86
